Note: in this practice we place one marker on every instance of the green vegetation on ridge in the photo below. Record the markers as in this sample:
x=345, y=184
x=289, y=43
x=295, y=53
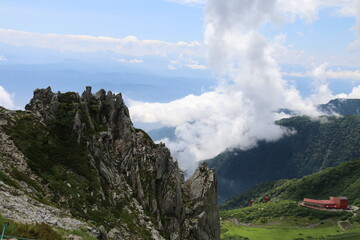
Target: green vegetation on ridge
x=315, y=144
x=284, y=220
x=38, y=231
x=342, y=180
x=54, y=154
x=287, y=212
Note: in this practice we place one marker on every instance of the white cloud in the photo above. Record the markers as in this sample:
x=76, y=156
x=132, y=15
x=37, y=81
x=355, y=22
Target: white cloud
x=329, y=74
x=197, y=66
x=123, y=60
x=304, y=9
x=171, y=67
x=297, y=7
x=355, y=93
x=321, y=91
x=3, y=58
x=129, y=45
x=354, y=9
x=240, y=111
x=354, y=45
x=6, y=99
x=186, y=62
x=345, y=8
x=284, y=53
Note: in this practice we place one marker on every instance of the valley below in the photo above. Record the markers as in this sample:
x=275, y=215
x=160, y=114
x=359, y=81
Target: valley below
x=285, y=220
x=283, y=217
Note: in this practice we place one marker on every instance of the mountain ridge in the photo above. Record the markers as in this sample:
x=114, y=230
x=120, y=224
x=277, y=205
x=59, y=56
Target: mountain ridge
x=317, y=144
x=341, y=106
x=82, y=155
x=341, y=180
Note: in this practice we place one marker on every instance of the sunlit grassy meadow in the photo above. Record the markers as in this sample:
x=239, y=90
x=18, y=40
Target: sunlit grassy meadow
x=285, y=220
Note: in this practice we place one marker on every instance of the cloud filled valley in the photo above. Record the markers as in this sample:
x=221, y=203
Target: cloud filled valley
x=242, y=108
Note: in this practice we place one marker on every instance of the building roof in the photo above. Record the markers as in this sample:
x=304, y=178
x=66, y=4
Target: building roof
x=319, y=201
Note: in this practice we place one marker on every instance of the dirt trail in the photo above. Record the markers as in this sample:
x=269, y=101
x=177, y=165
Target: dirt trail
x=340, y=223
x=341, y=226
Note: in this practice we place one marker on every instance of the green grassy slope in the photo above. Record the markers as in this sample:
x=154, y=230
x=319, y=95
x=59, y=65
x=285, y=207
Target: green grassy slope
x=285, y=220
x=39, y=231
x=342, y=180
x=279, y=232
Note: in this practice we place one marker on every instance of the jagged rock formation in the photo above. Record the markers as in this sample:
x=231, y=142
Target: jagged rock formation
x=202, y=218
x=83, y=154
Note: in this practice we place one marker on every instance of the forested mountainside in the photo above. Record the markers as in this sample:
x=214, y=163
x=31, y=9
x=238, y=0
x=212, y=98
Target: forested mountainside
x=317, y=144
x=77, y=162
x=342, y=180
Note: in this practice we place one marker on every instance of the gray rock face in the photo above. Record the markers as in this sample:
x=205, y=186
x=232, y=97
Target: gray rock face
x=202, y=216
x=19, y=207
x=102, y=233
x=43, y=104
x=133, y=172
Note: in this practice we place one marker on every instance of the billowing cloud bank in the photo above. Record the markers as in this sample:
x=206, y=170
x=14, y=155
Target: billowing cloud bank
x=242, y=109
x=6, y=99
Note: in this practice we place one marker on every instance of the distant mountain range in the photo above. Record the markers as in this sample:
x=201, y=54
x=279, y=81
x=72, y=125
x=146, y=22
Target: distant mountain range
x=317, y=144
x=72, y=75
x=341, y=106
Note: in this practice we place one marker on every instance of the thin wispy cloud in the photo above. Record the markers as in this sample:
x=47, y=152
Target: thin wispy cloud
x=328, y=74
x=186, y=62
x=130, y=45
x=321, y=90
x=123, y=60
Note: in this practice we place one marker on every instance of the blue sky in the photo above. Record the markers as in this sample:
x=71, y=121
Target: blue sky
x=165, y=21
x=328, y=35
x=168, y=21
x=145, y=19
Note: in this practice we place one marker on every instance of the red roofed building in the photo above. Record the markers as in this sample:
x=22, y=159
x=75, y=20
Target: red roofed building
x=333, y=202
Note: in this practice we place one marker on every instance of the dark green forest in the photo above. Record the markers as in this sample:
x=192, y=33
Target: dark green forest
x=314, y=145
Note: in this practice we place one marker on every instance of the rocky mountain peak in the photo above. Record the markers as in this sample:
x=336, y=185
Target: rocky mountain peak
x=93, y=162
